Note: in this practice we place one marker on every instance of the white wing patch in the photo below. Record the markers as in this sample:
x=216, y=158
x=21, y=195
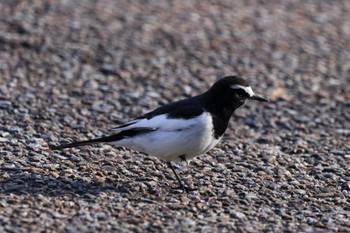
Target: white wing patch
x=248, y=89
x=171, y=137
x=126, y=126
x=158, y=122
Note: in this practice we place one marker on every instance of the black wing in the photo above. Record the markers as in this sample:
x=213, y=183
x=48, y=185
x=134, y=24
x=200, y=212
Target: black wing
x=182, y=109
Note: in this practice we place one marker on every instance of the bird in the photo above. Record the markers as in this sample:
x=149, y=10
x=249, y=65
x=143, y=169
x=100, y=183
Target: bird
x=181, y=130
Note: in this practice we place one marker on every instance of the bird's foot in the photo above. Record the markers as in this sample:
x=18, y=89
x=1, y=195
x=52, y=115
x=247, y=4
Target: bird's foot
x=186, y=189
x=183, y=159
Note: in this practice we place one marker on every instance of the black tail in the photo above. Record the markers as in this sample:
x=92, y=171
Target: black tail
x=115, y=137
x=76, y=144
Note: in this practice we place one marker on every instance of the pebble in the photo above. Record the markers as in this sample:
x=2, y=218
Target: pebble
x=281, y=166
x=58, y=156
x=337, y=152
x=4, y=104
x=8, y=166
x=13, y=129
x=75, y=158
x=36, y=156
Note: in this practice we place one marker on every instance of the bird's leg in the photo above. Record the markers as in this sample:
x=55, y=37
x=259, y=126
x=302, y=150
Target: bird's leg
x=177, y=177
x=182, y=186
x=183, y=159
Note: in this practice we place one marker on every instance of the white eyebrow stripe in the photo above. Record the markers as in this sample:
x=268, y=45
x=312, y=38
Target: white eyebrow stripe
x=248, y=89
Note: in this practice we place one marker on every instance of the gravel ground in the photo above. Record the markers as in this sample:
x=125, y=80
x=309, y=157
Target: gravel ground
x=72, y=69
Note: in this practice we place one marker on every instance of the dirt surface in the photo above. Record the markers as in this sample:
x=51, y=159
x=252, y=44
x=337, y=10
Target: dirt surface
x=73, y=69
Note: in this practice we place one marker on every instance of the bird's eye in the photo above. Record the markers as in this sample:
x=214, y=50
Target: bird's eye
x=242, y=93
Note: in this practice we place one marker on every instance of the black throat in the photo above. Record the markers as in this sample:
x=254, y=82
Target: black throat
x=221, y=109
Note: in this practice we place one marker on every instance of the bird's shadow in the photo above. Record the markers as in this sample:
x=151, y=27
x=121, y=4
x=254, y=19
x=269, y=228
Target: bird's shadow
x=33, y=183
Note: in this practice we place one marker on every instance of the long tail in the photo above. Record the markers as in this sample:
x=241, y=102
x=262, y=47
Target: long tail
x=87, y=142
x=112, y=138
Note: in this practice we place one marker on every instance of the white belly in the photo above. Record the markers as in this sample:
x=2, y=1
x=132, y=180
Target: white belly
x=179, y=137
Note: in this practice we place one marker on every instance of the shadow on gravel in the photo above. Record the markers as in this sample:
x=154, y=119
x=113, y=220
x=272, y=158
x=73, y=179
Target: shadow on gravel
x=33, y=183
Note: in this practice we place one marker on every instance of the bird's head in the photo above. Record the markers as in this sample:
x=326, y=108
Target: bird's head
x=234, y=91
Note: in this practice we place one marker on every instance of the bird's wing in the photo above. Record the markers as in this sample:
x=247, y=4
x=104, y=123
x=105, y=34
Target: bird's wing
x=129, y=133
x=126, y=126
x=163, y=118
x=175, y=118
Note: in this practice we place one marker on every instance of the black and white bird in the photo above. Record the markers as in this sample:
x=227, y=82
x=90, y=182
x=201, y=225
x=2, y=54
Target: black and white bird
x=181, y=130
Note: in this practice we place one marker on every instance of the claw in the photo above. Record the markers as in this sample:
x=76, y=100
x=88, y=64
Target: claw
x=181, y=185
x=183, y=159
x=186, y=188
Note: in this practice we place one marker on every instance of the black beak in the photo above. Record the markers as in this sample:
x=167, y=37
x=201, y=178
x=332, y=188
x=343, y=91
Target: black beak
x=258, y=98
